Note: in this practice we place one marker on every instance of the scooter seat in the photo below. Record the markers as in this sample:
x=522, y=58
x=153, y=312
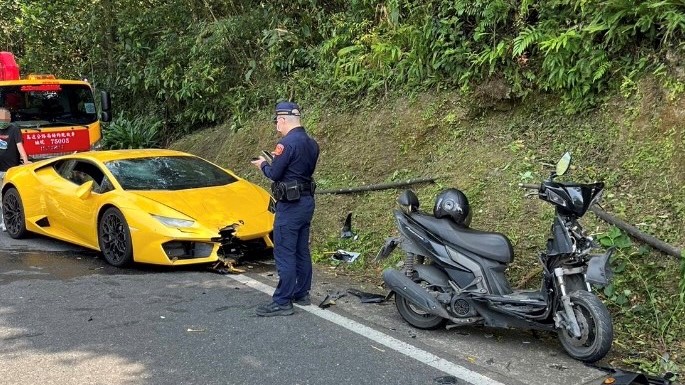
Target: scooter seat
x=494, y=246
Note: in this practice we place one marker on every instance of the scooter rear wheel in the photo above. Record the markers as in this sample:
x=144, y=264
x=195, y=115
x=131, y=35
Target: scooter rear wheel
x=415, y=316
x=596, y=329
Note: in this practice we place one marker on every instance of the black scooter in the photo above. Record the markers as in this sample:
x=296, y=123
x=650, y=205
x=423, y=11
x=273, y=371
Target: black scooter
x=456, y=274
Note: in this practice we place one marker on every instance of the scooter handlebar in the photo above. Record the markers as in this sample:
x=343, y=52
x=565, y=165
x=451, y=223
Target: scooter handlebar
x=531, y=186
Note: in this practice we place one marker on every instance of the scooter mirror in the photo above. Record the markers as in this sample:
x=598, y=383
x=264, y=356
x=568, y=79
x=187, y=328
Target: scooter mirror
x=563, y=164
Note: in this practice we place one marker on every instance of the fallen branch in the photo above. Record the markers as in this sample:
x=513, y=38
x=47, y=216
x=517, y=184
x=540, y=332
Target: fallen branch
x=373, y=187
x=634, y=232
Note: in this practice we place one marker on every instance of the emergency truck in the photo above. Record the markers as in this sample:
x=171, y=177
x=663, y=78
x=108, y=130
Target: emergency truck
x=56, y=116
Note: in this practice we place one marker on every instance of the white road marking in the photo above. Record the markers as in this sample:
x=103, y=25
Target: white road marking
x=408, y=350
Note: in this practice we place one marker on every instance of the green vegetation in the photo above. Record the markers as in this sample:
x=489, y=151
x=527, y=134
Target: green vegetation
x=480, y=93
x=132, y=133
x=487, y=153
x=192, y=63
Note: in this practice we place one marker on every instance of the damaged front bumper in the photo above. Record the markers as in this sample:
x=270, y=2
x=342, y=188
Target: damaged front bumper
x=233, y=249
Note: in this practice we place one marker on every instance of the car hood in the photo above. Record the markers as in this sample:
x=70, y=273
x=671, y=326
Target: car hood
x=215, y=207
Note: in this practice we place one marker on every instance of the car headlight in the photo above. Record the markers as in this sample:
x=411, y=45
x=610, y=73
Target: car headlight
x=173, y=222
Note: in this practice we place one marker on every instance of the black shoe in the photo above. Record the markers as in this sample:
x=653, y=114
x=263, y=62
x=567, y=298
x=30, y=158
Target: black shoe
x=273, y=309
x=303, y=301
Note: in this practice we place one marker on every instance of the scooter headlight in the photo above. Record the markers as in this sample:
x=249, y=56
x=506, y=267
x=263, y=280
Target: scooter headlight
x=555, y=198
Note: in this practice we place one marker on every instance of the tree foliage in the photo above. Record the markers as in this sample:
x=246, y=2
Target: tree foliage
x=195, y=62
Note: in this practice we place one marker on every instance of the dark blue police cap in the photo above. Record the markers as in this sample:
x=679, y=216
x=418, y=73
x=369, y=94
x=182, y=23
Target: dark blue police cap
x=287, y=108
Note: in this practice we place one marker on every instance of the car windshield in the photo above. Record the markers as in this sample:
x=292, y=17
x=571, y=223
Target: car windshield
x=46, y=104
x=167, y=173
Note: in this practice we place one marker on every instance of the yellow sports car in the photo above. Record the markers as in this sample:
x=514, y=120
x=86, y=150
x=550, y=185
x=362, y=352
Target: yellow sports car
x=151, y=206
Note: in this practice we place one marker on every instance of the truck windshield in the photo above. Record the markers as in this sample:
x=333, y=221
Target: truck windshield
x=49, y=104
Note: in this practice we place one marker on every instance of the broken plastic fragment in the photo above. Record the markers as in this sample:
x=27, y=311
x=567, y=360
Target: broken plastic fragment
x=345, y=256
x=367, y=297
x=449, y=380
x=346, y=231
x=388, y=247
x=330, y=299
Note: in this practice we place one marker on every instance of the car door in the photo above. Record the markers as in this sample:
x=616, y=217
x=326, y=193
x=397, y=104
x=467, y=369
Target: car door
x=76, y=216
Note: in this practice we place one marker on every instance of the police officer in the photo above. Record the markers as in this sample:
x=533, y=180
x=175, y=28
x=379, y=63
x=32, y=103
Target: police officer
x=291, y=172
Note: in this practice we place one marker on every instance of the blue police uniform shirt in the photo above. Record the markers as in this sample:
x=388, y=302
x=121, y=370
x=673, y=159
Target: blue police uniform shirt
x=295, y=158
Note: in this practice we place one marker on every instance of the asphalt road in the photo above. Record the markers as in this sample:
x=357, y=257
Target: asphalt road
x=66, y=317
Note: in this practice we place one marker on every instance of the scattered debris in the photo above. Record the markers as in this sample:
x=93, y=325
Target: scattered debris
x=379, y=349
x=412, y=334
x=388, y=247
x=471, y=359
x=225, y=266
x=196, y=330
x=488, y=335
x=331, y=298
x=367, y=297
x=625, y=377
x=490, y=361
x=162, y=317
x=346, y=231
x=447, y=380
x=344, y=256
x=557, y=366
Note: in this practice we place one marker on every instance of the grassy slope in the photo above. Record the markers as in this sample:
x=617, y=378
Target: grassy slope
x=485, y=148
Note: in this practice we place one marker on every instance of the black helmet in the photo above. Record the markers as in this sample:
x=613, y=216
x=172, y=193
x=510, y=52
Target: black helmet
x=452, y=203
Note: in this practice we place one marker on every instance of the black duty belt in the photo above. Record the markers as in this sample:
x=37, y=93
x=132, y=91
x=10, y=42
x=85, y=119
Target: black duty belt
x=292, y=190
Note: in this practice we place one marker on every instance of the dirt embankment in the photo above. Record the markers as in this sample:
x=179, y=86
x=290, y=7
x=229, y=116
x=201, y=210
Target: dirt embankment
x=636, y=145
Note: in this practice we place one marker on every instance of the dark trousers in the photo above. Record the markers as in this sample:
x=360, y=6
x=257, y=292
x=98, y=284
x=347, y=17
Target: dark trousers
x=291, y=249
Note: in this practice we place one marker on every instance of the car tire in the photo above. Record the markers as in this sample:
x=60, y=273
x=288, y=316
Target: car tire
x=114, y=238
x=13, y=214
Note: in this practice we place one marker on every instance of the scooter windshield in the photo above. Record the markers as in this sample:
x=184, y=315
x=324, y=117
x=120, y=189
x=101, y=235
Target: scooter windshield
x=579, y=197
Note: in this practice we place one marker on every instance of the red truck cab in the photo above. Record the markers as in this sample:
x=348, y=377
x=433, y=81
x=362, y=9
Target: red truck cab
x=56, y=116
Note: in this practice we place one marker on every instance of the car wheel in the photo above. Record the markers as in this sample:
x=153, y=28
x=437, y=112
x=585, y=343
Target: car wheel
x=13, y=214
x=114, y=238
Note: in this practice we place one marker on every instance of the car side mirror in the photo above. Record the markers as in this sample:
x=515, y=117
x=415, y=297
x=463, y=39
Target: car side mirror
x=84, y=190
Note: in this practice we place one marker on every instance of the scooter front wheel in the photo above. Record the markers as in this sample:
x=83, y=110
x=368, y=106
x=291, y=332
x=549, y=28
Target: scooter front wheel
x=415, y=316
x=596, y=329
